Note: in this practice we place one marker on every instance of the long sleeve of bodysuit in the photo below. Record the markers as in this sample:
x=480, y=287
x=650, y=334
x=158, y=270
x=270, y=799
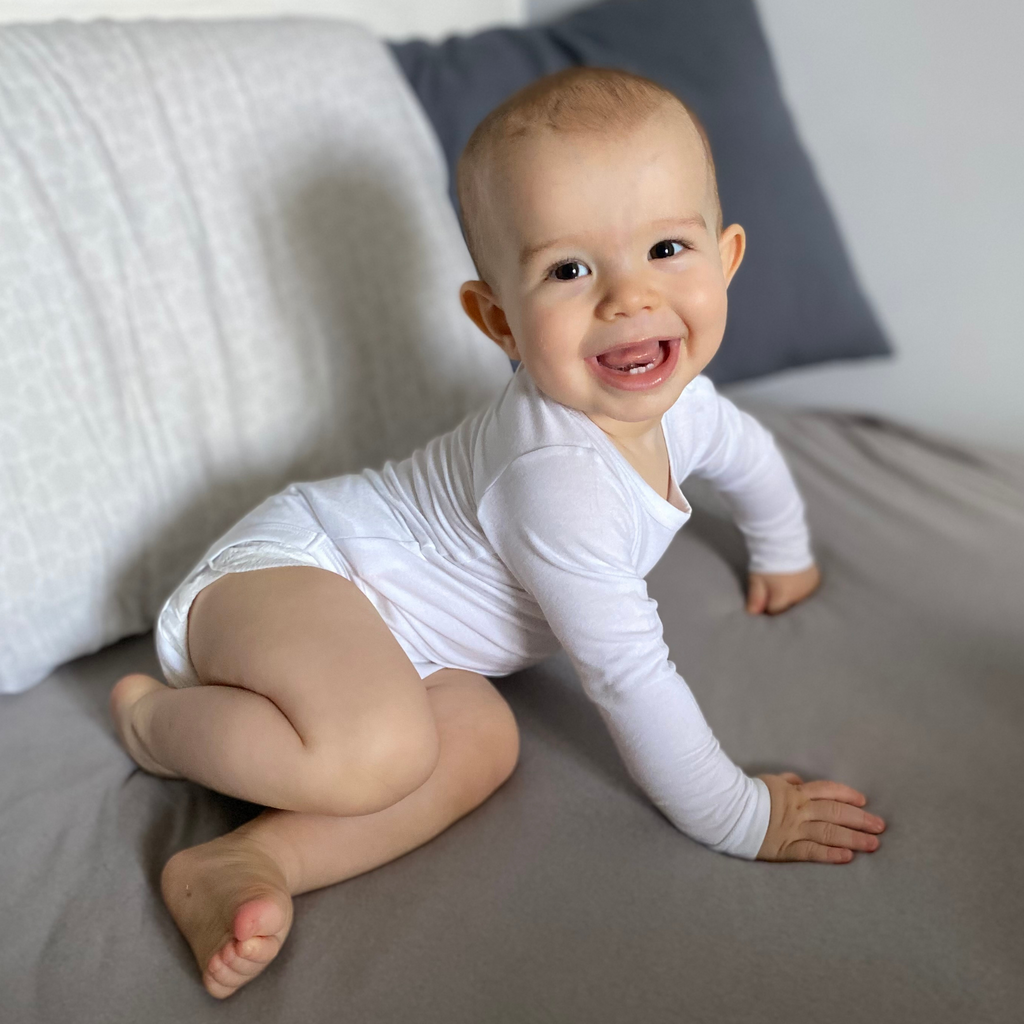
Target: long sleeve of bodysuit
x=740, y=459
x=568, y=529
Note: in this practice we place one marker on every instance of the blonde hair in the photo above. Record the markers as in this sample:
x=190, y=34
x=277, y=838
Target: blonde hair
x=576, y=100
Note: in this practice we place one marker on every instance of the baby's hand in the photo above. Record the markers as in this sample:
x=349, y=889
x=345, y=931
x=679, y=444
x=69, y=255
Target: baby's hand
x=815, y=821
x=774, y=592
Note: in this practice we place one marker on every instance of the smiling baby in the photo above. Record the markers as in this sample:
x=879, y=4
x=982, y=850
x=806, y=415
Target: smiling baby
x=328, y=657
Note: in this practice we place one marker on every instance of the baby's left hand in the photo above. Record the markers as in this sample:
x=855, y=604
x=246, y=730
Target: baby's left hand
x=774, y=592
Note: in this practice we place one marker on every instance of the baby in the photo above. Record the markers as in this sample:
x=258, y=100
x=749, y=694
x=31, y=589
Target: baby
x=327, y=658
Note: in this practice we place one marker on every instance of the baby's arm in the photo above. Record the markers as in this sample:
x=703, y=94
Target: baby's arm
x=567, y=532
x=821, y=820
x=739, y=458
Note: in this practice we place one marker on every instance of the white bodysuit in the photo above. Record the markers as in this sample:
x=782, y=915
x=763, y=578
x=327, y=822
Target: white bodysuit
x=525, y=529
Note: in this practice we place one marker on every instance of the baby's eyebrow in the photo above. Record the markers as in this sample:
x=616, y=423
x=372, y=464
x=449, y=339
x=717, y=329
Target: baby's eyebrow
x=695, y=220
x=528, y=252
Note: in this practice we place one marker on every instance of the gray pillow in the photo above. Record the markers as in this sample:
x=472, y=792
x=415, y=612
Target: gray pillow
x=795, y=300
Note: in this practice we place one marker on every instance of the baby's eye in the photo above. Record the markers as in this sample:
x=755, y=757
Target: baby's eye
x=664, y=249
x=570, y=271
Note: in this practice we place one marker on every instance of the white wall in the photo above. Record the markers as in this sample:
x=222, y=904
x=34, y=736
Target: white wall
x=913, y=111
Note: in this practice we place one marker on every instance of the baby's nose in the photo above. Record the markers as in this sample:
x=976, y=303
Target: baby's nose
x=627, y=296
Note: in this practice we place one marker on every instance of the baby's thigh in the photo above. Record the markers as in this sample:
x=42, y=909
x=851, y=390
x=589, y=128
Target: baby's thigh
x=310, y=641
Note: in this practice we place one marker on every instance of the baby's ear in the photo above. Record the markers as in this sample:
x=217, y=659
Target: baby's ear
x=732, y=244
x=481, y=306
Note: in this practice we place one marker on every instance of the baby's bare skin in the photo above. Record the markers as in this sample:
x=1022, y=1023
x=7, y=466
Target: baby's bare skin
x=232, y=897
x=229, y=897
x=230, y=900
x=818, y=821
x=773, y=592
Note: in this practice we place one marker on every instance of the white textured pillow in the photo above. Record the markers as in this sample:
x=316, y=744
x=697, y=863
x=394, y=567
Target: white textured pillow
x=227, y=261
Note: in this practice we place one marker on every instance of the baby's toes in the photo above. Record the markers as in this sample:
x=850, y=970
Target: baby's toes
x=240, y=959
x=220, y=980
x=238, y=962
x=252, y=955
x=264, y=916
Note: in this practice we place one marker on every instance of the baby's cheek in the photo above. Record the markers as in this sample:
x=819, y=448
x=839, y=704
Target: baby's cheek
x=704, y=304
x=549, y=330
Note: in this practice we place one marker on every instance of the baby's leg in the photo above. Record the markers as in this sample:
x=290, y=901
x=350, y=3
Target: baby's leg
x=308, y=704
x=231, y=897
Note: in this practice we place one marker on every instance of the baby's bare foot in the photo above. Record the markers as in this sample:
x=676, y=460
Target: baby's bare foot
x=126, y=693
x=231, y=902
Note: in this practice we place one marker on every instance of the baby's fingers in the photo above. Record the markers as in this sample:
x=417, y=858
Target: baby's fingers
x=840, y=813
x=757, y=594
x=829, y=834
x=805, y=849
x=823, y=789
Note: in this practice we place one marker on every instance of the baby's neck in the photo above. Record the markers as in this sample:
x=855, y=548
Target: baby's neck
x=642, y=436
x=646, y=451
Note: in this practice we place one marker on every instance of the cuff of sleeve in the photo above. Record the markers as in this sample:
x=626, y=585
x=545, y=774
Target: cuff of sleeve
x=795, y=560
x=745, y=838
x=773, y=568
x=780, y=551
x=749, y=846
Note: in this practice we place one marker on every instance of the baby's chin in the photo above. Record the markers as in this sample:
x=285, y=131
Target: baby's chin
x=625, y=407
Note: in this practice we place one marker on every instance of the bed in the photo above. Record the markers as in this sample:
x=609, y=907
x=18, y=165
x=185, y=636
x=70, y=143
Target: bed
x=566, y=897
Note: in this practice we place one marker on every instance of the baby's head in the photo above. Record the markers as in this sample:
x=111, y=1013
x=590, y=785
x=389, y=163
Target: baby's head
x=591, y=210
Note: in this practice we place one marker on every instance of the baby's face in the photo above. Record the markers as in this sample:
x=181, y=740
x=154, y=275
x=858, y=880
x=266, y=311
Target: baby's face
x=609, y=274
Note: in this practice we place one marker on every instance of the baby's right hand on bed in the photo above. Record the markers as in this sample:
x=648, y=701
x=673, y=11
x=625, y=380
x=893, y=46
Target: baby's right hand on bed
x=820, y=821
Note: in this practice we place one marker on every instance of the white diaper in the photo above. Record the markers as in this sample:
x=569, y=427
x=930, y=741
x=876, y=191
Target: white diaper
x=282, y=531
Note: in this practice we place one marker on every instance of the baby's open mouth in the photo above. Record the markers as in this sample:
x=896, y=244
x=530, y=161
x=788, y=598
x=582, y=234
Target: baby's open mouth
x=638, y=365
x=636, y=357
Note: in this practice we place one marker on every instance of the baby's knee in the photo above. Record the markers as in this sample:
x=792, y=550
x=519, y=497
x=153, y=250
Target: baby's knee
x=380, y=765
x=490, y=750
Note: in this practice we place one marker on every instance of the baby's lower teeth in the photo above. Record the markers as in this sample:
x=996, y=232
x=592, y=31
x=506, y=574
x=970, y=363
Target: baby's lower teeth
x=641, y=369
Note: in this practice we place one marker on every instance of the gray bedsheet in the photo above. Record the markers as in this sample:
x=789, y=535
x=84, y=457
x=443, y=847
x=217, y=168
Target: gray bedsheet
x=567, y=897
